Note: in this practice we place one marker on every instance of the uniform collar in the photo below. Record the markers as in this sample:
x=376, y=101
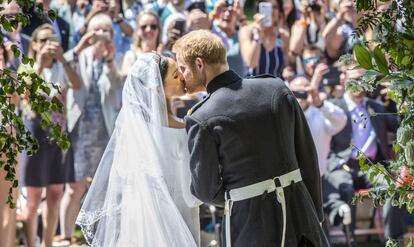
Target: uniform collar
x=222, y=80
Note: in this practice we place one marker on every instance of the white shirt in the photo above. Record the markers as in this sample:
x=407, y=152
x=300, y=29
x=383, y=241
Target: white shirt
x=324, y=123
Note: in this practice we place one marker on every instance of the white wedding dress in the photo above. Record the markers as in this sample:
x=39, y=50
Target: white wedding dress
x=178, y=178
x=140, y=195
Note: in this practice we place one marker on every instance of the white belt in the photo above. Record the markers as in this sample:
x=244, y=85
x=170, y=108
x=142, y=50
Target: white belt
x=276, y=184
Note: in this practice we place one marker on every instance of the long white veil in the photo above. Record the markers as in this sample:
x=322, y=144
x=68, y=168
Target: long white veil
x=128, y=203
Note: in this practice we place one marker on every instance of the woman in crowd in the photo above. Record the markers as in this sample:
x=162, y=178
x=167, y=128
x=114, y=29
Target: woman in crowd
x=338, y=31
x=309, y=28
x=48, y=169
x=289, y=13
x=264, y=48
x=226, y=27
x=92, y=111
x=147, y=38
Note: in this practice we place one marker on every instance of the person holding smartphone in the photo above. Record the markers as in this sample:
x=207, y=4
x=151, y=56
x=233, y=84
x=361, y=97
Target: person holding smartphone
x=324, y=120
x=175, y=26
x=308, y=30
x=265, y=42
x=338, y=31
x=92, y=111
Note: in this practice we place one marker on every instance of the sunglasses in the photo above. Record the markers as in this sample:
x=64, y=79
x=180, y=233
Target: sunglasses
x=300, y=94
x=43, y=40
x=311, y=59
x=152, y=26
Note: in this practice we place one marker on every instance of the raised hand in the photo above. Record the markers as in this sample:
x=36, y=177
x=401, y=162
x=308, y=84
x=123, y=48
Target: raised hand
x=321, y=69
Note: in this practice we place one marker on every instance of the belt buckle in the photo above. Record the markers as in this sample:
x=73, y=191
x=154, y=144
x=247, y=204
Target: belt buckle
x=277, y=182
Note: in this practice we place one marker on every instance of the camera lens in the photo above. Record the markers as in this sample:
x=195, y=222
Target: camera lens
x=314, y=6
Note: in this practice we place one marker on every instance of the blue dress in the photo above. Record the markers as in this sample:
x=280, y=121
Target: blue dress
x=271, y=62
x=90, y=137
x=50, y=165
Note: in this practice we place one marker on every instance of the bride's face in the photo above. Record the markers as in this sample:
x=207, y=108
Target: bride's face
x=174, y=81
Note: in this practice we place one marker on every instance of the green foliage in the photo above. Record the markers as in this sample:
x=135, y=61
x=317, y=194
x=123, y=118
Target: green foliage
x=33, y=94
x=391, y=243
x=363, y=56
x=391, y=57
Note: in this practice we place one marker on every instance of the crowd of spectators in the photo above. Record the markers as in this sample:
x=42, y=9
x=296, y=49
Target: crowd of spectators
x=88, y=49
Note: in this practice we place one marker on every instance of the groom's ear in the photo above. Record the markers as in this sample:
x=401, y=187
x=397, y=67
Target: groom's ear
x=199, y=63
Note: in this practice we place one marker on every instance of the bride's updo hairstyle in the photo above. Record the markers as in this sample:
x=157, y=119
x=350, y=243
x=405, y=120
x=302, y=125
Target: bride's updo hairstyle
x=163, y=64
x=144, y=87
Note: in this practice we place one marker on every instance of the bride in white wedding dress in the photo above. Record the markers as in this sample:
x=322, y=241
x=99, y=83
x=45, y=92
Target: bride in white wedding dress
x=140, y=195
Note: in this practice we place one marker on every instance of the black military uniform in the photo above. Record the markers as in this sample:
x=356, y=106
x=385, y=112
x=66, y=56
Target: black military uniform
x=247, y=131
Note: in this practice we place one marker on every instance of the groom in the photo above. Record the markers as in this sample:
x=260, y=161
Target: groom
x=251, y=150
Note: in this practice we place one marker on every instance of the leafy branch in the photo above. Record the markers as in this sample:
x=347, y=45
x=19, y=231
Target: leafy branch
x=389, y=62
x=22, y=93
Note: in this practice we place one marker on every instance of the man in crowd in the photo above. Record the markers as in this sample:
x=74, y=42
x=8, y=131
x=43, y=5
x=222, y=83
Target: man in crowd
x=325, y=120
x=363, y=133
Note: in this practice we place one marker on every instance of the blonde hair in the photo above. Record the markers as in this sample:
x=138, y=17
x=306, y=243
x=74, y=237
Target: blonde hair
x=98, y=20
x=137, y=40
x=201, y=44
x=31, y=52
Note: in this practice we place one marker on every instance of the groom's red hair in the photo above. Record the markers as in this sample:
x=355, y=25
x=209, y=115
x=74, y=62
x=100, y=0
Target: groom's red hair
x=201, y=44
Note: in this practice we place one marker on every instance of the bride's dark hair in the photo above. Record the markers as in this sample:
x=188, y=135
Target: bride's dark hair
x=163, y=64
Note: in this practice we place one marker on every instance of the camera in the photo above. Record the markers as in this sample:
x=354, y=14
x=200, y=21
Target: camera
x=300, y=94
x=229, y=3
x=314, y=6
x=331, y=78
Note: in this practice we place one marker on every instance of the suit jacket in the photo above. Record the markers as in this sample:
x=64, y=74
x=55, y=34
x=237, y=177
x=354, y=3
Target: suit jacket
x=341, y=150
x=247, y=131
x=36, y=20
x=110, y=83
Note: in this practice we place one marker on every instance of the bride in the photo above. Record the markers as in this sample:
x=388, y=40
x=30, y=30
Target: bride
x=140, y=195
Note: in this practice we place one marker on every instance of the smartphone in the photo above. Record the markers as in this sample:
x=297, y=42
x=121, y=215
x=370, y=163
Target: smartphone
x=331, y=78
x=102, y=36
x=180, y=26
x=266, y=8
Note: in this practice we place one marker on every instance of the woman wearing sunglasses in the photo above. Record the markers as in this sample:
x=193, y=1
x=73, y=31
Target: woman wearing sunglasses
x=92, y=111
x=49, y=169
x=147, y=38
